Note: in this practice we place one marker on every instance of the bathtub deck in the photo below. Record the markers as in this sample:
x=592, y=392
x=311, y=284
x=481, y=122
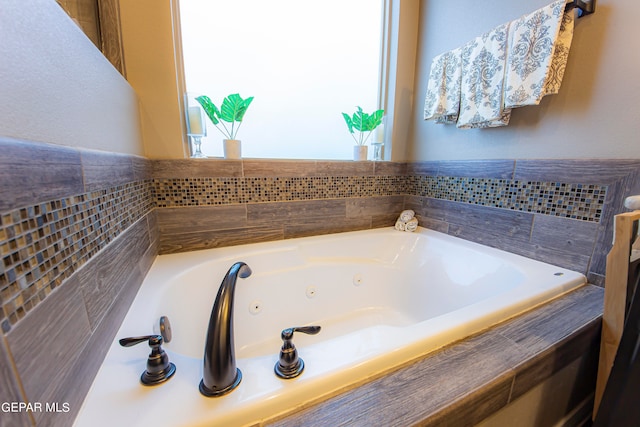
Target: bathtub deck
x=467, y=381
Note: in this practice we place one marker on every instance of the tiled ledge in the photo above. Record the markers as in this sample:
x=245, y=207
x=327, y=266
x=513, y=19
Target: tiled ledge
x=251, y=168
x=466, y=382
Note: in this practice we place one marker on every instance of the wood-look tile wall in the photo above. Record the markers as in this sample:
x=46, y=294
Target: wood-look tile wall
x=556, y=211
x=579, y=245
x=77, y=236
x=212, y=203
x=129, y=218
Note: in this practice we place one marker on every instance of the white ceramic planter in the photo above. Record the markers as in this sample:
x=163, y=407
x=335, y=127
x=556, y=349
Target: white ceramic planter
x=232, y=148
x=360, y=152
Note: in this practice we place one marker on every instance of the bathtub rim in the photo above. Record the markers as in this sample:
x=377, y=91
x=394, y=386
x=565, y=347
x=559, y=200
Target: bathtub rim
x=578, y=310
x=431, y=350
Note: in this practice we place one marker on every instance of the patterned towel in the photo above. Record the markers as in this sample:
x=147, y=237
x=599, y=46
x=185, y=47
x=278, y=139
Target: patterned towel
x=483, y=72
x=538, y=49
x=442, y=102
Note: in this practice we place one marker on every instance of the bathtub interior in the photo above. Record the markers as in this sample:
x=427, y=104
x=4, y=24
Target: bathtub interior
x=343, y=284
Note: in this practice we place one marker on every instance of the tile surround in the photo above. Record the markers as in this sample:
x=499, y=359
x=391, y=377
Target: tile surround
x=76, y=238
x=575, y=201
x=44, y=243
x=94, y=221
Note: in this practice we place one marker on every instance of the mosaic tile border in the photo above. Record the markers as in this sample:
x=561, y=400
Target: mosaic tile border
x=43, y=244
x=576, y=201
x=583, y=202
x=223, y=191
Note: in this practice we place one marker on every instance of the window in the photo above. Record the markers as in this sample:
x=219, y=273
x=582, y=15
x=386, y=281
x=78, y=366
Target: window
x=304, y=62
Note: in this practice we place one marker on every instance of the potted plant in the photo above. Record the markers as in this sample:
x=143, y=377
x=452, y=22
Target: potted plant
x=231, y=111
x=365, y=124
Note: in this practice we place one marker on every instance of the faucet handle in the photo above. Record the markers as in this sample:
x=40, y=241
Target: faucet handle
x=287, y=334
x=131, y=341
x=289, y=365
x=159, y=369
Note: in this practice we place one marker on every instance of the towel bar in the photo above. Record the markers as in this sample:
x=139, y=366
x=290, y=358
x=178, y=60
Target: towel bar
x=586, y=8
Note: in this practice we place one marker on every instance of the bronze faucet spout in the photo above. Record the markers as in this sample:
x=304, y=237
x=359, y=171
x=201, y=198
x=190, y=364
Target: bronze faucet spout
x=220, y=374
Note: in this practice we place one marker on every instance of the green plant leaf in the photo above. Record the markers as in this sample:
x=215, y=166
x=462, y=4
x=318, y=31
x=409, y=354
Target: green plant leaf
x=363, y=123
x=359, y=118
x=374, y=120
x=234, y=107
x=349, y=121
x=209, y=108
x=244, y=105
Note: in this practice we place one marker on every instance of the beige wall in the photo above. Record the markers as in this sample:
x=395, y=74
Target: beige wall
x=56, y=86
x=401, y=57
x=154, y=68
x=595, y=115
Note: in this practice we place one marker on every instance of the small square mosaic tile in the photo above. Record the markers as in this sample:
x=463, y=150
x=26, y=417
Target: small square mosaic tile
x=219, y=191
x=43, y=244
x=576, y=201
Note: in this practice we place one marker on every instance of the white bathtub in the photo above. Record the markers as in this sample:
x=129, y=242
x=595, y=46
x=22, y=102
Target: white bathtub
x=382, y=297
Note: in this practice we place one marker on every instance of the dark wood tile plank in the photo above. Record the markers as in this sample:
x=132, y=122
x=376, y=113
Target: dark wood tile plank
x=429, y=168
x=561, y=258
x=474, y=222
x=10, y=391
x=207, y=239
x=104, y=170
x=411, y=394
x=32, y=173
x=107, y=274
x=433, y=224
x=502, y=169
x=47, y=342
x=142, y=168
x=153, y=228
x=563, y=233
x=318, y=226
x=379, y=221
x=390, y=168
x=415, y=203
x=148, y=258
x=73, y=388
x=595, y=279
x=279, y=168
x=577, y=171
x=509, y=231
x=539, y=330
x=370, y=206
x=304, y=209
x=344, y=168
x=585, y=343
x=197, y=168
x=475, y=406
x=200, y=218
